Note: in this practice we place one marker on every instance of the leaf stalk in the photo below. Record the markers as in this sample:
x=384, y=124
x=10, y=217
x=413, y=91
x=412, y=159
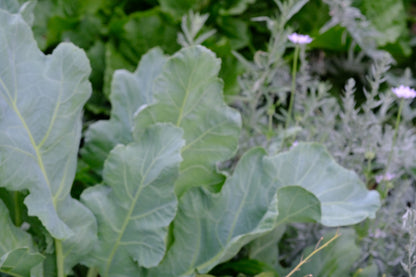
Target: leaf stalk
x=59, y=258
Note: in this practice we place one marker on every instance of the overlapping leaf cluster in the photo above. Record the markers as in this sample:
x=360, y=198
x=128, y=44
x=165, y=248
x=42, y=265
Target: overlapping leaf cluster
x=163, y=208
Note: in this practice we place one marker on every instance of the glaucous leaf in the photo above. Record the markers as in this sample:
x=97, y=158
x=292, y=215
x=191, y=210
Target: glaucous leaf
x=343, y=197
x=296, y=204
x=188, y=94
x=25, y=10
x=17, y=253
x=40, y=128
x=265, y=248
x=136, y=208
x=11, y=6
x=210, y=228
x=130, y=91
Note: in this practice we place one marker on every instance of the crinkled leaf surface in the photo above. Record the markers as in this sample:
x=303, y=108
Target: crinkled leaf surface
x=129, y=92
x=17, y=254
x=343, y=196
x=188, y=94
x=134, y=211
x=41, y=99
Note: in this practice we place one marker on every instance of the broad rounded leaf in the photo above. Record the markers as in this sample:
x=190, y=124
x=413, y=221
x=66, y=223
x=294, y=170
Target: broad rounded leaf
x=129, y=92
x=41, y=99
x=17, y=253
x=188, y=94
x=343, y=196
x=134, y=212
x=210, y=228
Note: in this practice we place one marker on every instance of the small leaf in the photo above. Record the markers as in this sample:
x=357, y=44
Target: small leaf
x=130, y=91
x=296, y=204
x=236, y=7
x=178, y=8
x=134, y=212
x=188, y=94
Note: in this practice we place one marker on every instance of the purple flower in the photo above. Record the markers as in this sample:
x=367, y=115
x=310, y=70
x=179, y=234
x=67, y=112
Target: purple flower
x=299, y=39
x=404, y=92
x=386, y=177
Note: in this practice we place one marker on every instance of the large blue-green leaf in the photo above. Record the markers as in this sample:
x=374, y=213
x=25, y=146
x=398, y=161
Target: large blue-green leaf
x=129, y=92
x=135, y=210
x=295, y=204
x=210, y=228
x=344, y=198
x=188, y=94
x=41, y=99
x=17, y=253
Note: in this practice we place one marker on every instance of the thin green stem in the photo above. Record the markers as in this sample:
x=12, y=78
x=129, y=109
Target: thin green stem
x=368, y=170
x=59, y=258
x=292, y=91
x=270, y=113
x=16, y=207
x=303, y=261
x=393, y=144
x=92, y=272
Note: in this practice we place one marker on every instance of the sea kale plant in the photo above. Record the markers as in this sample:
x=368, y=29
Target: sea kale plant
x=163, y=207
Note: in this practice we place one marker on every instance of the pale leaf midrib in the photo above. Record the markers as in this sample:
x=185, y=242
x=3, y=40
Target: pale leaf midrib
x=35, y=147
x=128, y=216
x=187, y=92
x=12, y=102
